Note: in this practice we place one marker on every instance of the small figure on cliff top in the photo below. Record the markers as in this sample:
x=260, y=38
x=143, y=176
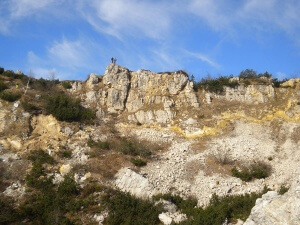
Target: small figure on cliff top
x=113, y=60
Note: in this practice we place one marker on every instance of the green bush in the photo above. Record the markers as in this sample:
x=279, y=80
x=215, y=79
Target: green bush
x=10, y=96
x=133, y=148
x=257, y=170
x=66, y=85
x=219, y=209
x=64, y=108
x=138, y=162
x=248, y=74
x=216, y=85
x=126, y=209
x=1, y=70
x=65, y=154
x=283, y=189
x=28, y=106
x=8, y=214
x=277, y=82
x=40, y=157
x=11, y=74
x=3, y=86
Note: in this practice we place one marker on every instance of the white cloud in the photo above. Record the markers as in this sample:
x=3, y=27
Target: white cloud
x=204, y=58
x=130, y=17
x=65, y=57
x=67, y=53
x=251, y=15
x=23, y=8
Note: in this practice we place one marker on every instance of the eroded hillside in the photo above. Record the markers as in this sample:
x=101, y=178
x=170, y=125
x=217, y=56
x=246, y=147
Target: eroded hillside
x=154, y=135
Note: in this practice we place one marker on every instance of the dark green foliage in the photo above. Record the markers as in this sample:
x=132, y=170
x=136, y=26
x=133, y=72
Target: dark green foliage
x=10, y=96
x=138, y=162
x=248, y=74
x=64, y=108
x=3, y=86
x=216, y=85
x=8, y=214
x=283, y=189
x=257, y=170
x=27, y=106
x=125, y=209
x=65, y=153
x=133, y=148
x=277, y=82
x=247, y=83
x=1, y=70
x=265, y=74
x=40, y=157
x=11, y=74
x=219, y=209
x=99, y=144
x=66, y=85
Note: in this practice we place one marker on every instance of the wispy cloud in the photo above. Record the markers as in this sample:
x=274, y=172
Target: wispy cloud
x=204, y=58
x=65, y=57
x=128, y=17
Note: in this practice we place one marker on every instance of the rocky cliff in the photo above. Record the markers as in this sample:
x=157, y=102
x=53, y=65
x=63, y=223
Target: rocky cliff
x=156, y=134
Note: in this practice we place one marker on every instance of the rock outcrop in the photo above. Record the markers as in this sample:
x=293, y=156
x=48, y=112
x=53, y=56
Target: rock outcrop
x=273, y=208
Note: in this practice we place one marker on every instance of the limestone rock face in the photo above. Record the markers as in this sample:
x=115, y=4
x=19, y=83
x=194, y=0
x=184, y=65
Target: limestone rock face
x=92, y=80
x=130, y=181
x=123, y=91
x=291, y=83
x=117, y=79
x=250, y=94
x=273, y=208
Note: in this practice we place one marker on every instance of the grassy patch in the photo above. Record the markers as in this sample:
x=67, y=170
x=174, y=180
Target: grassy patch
x=138, y=162
x=257, y=170
x=132, y=147
x=10, y=96
x=99, y=144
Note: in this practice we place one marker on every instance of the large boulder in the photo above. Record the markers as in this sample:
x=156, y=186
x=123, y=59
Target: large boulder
x=277, y=209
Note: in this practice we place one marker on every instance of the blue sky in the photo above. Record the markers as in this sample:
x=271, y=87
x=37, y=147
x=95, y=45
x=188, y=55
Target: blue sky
x=73, y=38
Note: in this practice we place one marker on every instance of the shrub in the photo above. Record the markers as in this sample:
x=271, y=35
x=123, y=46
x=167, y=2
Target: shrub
x=8, y=215
x=138, y=162
x=11, y=74
x=133, y=148
x=64, y=108
x=216, y=85
x=1, y=70
x=3, y=86
x=219, y=209
x=277, y=82
x=66, y=85
x=28, y=106
x=40, y=157
x=65, y=154
x=10, y=96
x=257, y=170
x=248, y=73
x=126, y=209
x=283, y=189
